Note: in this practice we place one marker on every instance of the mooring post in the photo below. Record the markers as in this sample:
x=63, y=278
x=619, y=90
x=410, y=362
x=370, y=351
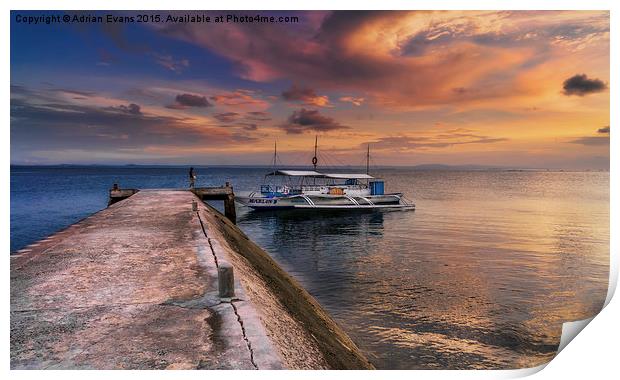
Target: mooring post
x=225, y=280
x=194, y=206
x=229, y=209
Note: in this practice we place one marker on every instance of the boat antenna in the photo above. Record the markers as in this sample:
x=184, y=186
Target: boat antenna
x=314, y=159
x=368, y=159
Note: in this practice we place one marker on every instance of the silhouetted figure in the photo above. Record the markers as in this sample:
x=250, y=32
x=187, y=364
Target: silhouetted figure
x=192, y=178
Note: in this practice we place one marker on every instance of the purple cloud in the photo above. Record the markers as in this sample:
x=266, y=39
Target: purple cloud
x=581, y=85
x=183, y=101
x=305, y=120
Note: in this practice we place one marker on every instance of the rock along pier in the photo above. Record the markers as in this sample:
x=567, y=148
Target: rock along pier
x=161, y=280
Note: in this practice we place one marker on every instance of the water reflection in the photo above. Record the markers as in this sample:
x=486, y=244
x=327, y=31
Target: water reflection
x=482, y=275
x=297, y=222
x=320, y=232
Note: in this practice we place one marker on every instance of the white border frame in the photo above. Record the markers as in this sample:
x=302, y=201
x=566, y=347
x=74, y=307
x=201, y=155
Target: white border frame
x=593, y=353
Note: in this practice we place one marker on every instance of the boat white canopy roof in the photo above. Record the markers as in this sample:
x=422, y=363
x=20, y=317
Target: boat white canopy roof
x=297, y=173
x=349, y=176
x=315, y=174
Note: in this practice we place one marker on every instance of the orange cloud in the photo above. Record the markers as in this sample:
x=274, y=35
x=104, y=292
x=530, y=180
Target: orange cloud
x=353, y=100
x=239, y=98
x=305, y=95
x=411, y=59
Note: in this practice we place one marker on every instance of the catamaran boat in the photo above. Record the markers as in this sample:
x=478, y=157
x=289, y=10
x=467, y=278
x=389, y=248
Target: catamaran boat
x=314, y=190
x=310, y=189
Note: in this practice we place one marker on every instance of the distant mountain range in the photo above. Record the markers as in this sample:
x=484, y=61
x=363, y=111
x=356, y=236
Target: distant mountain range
x=458, y=167
x=435, y=167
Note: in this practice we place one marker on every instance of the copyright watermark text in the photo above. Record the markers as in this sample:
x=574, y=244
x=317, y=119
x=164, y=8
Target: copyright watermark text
x=154, y=18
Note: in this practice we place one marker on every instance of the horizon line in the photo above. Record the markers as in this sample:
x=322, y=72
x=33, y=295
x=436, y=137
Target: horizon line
x=433, y=166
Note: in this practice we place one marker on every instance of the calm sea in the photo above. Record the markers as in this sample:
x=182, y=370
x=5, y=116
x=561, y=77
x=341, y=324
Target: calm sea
x=481, y=275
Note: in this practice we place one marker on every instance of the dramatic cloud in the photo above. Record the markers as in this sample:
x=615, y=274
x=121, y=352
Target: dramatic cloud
x=581, y=85
x=591, y=140
x=405, y=80
x=190, y=100
x=246, y=121
x=594, y=140
x=132, y=109
x=505, y=29
x=305, y=95
x=241, y=126
x=446, y=139
x=226, y=117
x=43, y=124
x=350, y=99
x=183, y=101
x=167, y=61
x=248, y=126
x=310, y=121
x=407, y=58
x=257, y=116
x=238, y=98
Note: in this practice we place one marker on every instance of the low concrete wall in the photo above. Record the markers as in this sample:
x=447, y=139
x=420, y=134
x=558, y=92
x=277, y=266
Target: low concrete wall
x=274, y=293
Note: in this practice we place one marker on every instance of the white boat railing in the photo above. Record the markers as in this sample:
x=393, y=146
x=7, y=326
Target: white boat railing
x=352, y=200
x=367, y=200
x=310, y=202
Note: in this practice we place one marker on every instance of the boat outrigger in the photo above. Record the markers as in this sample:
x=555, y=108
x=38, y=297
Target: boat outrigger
x=310, y=189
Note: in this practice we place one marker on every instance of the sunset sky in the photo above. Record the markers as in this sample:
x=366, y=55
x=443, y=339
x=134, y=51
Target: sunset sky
x=519, y=89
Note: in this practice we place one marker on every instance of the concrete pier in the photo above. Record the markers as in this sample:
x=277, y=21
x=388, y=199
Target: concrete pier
x=135, y=286
x=117, y=194
x=224, y=193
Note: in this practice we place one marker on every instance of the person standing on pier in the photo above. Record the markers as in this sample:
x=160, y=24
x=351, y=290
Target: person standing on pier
x=192, y=178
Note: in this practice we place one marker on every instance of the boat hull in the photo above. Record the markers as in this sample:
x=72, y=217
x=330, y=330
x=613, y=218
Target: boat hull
x=386, y=201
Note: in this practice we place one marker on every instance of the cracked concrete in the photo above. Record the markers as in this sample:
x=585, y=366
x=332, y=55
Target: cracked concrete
x=263, y=355
x=302, y=333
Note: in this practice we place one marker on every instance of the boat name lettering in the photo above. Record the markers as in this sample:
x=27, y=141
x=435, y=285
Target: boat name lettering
x=267, y=201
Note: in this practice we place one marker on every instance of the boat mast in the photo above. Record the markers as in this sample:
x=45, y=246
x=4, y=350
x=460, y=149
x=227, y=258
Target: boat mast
x=275, y=153
x=368, y=159
x=314, y=159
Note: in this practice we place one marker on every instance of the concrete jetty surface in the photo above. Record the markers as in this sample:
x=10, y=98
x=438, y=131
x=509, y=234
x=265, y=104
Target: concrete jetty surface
x=135, y=286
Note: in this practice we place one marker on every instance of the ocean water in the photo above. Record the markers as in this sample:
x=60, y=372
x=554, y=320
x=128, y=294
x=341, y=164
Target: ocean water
x=480, y=275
